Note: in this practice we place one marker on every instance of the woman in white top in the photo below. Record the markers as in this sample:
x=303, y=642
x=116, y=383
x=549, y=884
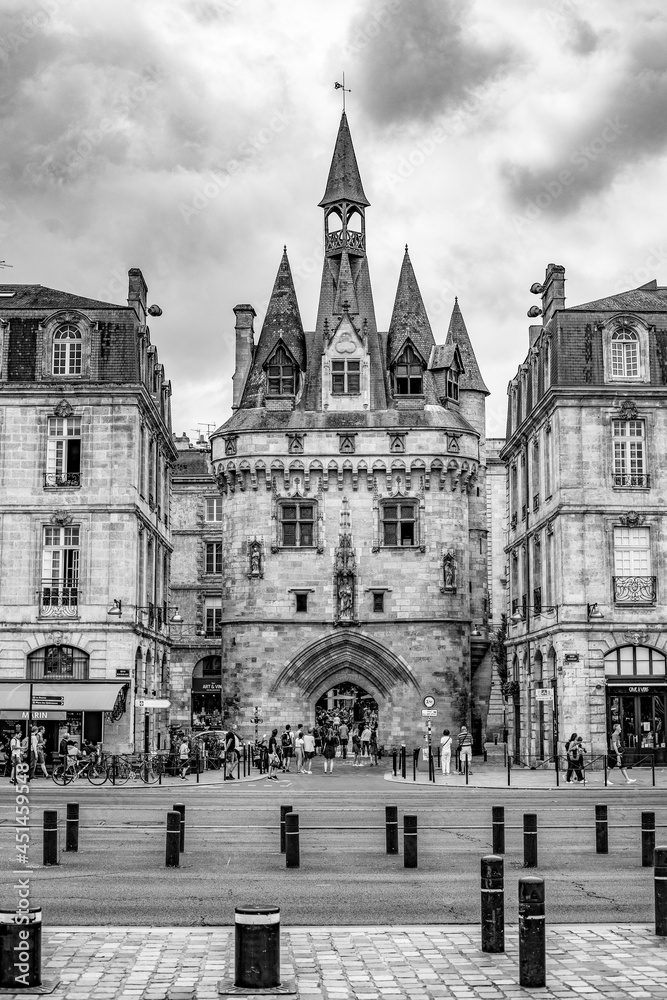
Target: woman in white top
x=309, y=750
x=299, y=752
x=445, y=751
x=616, y=757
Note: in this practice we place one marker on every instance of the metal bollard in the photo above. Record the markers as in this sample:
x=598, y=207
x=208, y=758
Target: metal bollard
x=648, y=839
x=498, y=827
x=21, y=951
x=284, y=810
x=601, y=830
x=415, y=758
x=530, y=840
x=257, y=947
x=493, y=903
x=173, y=854
x=660, y=890
x=180, y=808
x=410, y=842
x=72, y=827
x=391, y=823
x=50, y=838
x=403, y=756
x=532, y=932
x=393, y=761
x=292, y=859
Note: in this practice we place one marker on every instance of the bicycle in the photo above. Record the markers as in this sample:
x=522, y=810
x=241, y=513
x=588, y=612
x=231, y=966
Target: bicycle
x=147, y=768
x=70, y=770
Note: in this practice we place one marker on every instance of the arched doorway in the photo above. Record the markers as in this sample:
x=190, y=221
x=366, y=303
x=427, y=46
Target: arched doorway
x=350, y=702
x=206, y=703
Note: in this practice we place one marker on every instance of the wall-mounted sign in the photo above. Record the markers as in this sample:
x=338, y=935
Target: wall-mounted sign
x=152, y=703
x=429, y=713
x=544, y=694
x=122, y=671
x=571, y=657
x=429, y=701
x=48, y=700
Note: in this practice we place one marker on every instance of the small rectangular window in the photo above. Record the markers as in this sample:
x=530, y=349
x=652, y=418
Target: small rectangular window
x=301, y=602
x=398, y=523
x=214, y=508
x=213, y=616
x=378, y=602
x=345, y=377
x=214, y=557
x=297, y=522
x=63, y=455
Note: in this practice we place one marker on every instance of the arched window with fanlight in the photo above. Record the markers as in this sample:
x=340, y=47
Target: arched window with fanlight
x=67, y=350
x=281, y=374
x=408, y=373
x=624, y=354
x=58, y=663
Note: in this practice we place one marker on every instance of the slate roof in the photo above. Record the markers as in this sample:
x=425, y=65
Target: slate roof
x=191, y=463
x=409, y=319
x=260, y=419
x=647, y=298
x=471, y=377
x=40, y=297
x=344, y=182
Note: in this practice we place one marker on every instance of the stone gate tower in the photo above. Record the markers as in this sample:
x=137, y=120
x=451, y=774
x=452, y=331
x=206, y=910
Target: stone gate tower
x=352, y=475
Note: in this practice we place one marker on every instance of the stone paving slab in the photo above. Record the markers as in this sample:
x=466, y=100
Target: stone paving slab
x=431, y=962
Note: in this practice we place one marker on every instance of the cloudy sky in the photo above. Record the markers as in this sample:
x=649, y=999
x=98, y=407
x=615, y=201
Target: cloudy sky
x=192, y=138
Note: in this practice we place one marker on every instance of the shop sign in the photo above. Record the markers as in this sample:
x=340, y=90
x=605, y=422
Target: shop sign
x=211, y=686
x=544, y=694
x=52, y=700
x=638, y=690
x=38, y=715
x=152, y=703
x=122, y=671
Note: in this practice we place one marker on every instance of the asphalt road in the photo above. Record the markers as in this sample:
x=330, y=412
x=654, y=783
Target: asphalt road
x=232, y=852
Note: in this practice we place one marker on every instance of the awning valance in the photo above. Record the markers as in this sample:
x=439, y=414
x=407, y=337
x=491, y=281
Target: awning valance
x=93, y=696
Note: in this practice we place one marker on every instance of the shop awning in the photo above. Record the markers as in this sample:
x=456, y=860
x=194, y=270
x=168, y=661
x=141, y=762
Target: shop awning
x=94, y=696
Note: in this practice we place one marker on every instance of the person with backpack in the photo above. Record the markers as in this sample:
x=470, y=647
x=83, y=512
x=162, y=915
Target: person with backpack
x=287, y=747
x=615, y=759
x=465, y=750
x=445, y=751
x=274, y=756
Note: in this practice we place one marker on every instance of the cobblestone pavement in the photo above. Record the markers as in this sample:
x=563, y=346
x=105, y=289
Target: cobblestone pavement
x=356, y=963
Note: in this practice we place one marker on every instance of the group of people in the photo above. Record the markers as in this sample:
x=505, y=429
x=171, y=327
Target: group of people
x=575, y=750
x=16, y=752
x=303, y=745
x=463, y=748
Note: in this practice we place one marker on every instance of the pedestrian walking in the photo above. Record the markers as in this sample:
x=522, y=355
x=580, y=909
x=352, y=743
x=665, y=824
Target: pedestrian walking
x=343, y=736
x=41, y=750
x=275, y=760
x=465, y=749
x=308, y=750
x=356, y=749
x=575, y=758
x=15, y=755
x=446, y=752
x=330, y=744
x=184, y=757
x=374, y=747
x=568, y=743
x=615, y=758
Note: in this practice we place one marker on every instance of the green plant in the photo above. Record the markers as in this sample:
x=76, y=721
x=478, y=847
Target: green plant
x=499, y=650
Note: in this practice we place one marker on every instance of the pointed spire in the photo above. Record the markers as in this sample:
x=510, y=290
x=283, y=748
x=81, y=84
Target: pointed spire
x=471, y=378
x=346, y=297
x=344, y=183
x=409, y=319
x=282, y=320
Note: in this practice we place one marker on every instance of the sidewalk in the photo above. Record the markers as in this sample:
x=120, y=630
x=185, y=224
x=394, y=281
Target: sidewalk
x=356, y=963
x=493, y=776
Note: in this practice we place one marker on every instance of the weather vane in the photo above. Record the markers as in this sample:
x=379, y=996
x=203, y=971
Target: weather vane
x=341, y=86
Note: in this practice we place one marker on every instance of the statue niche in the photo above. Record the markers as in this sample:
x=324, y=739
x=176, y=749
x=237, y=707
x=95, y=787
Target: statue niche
x=449, y=572
x=345, y=580
x=255, y=559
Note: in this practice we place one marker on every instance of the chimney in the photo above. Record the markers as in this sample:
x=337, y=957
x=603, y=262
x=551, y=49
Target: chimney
x=137, y=292
x=245, y=345
x=553, y=291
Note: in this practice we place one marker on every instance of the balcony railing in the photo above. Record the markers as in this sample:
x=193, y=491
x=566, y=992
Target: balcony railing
x=634, y=589
x=620, y=479
x=58, y=601
x=345, y=240
x=56, y=480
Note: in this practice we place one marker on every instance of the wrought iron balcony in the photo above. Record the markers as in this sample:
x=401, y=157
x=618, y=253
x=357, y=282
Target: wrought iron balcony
x=57, y=601
x=620, y=479
x=56, y=480
x=634, y=589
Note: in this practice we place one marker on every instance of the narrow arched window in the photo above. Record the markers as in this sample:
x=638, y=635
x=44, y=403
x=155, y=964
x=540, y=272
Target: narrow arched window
x=67, y=351
x=408, y=373
x=281, y=374
x=624, y=354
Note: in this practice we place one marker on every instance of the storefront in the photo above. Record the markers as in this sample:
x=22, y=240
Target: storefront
x=637, y=699
x=207, y=693
x=78, y=707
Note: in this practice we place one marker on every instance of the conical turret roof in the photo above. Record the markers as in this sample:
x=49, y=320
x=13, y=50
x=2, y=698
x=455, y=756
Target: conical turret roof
x=344, y=183
x=471, y=378
x=408, y=319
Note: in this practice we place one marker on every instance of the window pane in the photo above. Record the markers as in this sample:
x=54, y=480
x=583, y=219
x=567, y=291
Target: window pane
x=407, y=511
x=353, y=383
x=390, y=534
x=407, y=533
x=306, y=513
x=391, y=511
x=338, y=384
x=353, y=366
x=289, y=513
x=378, y=602
x=337, y=366
x=306, y=534
x=289, y=534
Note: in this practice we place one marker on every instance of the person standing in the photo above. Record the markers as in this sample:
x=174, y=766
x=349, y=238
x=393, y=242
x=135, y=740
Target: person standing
x=41, y=750
x=570, y=770
x=343, y=736
x=365, y=740
x=374, y=747
x=465, y=749
x=330, y=744
x=15, y=754
x=308, y=750
x=615, y=759
x=356, y=749
x=575, y=755
x=299, y=751
x=274, y=756
x=287, y=747
x=446, y=752
x=184, y=757
x=317, y=736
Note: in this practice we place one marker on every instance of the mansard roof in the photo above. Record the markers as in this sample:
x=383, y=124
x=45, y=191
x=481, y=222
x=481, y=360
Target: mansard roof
x=409, y=320
x=344, y=182
x=41, y=297
x=471, y=377
x=647, y=298
x=260, y=419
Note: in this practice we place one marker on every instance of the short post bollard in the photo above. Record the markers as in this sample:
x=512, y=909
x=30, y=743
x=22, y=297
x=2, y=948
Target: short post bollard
x=257, y=947
x=648, y=839
x=498, y=827
x=601, y=830
x=410, y=842
x=72, y=827
x=415, y=758
x=530, y=840
x=179, y=807
x=493, y=904
x=660, y=890
x=21, y=951
x=532, y=932
x=393, y=761
x=50, y=838
x=173, y=853
x=391, y=822
x=403, y=756
x=292, y=859
x=284, y=810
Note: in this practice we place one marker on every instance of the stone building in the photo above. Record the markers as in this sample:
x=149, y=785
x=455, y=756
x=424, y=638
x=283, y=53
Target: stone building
x=85, y=449
x=587, y=423
x=352, y=477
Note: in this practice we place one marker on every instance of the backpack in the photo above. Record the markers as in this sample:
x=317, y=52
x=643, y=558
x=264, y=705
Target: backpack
x=286, y=740
x=573, y=753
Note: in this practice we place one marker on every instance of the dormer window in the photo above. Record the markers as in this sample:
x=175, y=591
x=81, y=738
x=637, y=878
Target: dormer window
x=408, y=373
x=281, y=374
x=624, y=354
x=67, y=351
x=345, y=378
x=452, y=385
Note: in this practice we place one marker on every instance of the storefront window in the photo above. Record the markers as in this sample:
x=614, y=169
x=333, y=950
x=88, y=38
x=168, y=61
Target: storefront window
x=637, y=700
x=207, y=693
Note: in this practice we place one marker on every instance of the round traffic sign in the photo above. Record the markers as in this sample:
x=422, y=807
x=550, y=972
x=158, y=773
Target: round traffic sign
x=429, y=701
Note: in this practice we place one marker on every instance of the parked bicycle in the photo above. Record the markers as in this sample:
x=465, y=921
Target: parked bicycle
x=71, y=769
x=146, y=768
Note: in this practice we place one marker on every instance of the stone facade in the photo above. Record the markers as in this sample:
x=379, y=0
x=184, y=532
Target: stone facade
x=587, y=501
x=352, y=474
x=85, y=448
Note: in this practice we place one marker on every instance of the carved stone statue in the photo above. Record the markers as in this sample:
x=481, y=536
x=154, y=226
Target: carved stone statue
x=449, y=570
x=345, y=598
x=255, y=559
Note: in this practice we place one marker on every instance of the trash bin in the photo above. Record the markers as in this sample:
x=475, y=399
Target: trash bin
x=20, y=948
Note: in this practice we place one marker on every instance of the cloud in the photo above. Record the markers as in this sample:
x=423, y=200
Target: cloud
x=418, y=60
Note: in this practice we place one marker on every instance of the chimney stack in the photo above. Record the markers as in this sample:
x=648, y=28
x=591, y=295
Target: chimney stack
x=553, y=291
x=137, y=292
x=245, y=345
